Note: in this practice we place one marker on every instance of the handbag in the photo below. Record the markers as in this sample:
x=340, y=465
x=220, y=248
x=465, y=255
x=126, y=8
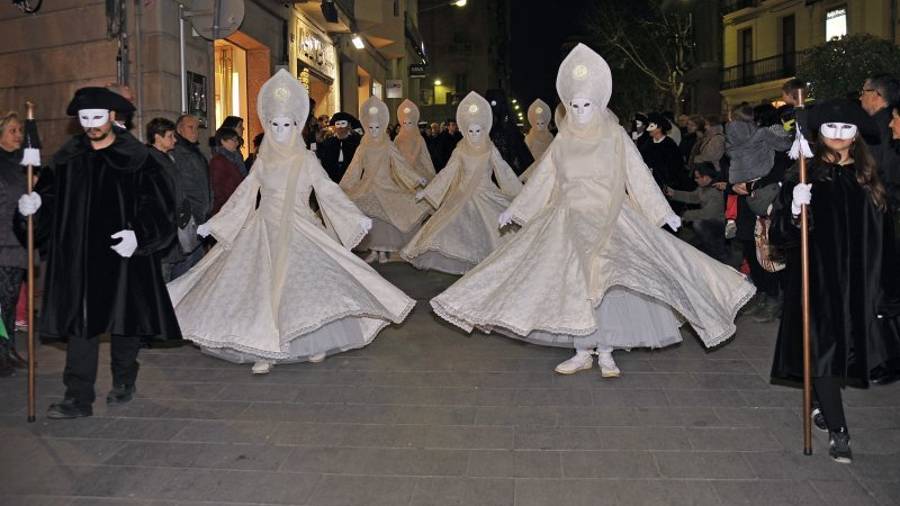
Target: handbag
x=765, y=253
x=761, y=198
x=188, y=239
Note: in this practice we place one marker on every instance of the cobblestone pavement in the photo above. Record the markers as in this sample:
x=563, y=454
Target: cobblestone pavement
x=429, y=416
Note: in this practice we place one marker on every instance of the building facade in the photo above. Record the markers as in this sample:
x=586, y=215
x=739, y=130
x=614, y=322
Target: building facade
x=763, y=40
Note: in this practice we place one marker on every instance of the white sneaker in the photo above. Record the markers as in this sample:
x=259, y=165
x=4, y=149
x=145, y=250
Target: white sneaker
x=608, y=367
x=261, y=367
x=371, y=257
x=382, y=257
x=318, y=357
x=582, y=361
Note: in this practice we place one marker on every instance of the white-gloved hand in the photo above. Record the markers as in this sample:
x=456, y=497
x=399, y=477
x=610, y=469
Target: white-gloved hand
x=126, y=247
x=802, y=196
x=31, y=156
x=506, y=218
x=673, y=222
x=203, y=230
x=29, y=203
x=423, y=182
x=366, y=223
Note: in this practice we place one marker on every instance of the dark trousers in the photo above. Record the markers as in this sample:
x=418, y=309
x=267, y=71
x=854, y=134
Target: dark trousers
x=827, y=392
x=10, y=283
x=711, y=238
x=81, y=365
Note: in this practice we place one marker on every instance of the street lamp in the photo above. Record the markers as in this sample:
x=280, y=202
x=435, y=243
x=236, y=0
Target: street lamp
x=357, y=42
x=437, y=82
x=445, y=3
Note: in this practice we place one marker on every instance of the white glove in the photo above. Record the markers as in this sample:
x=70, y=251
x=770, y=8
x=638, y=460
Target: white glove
x=29, y=203
x=420, y=195
x=128, y=244
x=203, y=230
x=674, y=222
x=366, y=223
x=802, y=196
x=506, y=218
x=423, y=182
x=31, y=156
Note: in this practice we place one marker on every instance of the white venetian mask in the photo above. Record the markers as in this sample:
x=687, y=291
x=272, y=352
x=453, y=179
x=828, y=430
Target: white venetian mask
x=836, y=130
x=475, y=134
x=281, y=128
x=342, y=123
x=374, y=129
x=93, y=118
x=582, y=110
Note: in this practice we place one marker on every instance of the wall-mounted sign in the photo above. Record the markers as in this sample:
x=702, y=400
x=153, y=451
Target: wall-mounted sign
x=196, y=97
x=417, y=71
x=315, y=50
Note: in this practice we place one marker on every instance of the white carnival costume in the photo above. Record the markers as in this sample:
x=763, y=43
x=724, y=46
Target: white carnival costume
x=281, y=284
x=539, y=137
x=558, y=115
x=382, y=184
x=591, y=267
x=410, y=142
x=463, y=230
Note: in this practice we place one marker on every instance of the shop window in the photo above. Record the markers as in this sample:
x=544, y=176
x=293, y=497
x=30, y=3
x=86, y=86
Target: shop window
x=836, y=23
x=231, y=84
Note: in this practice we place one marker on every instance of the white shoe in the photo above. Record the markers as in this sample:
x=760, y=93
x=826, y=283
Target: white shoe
x=582, y=361
x=371, y=257
x=261, y=367
x=382, y=257
x=318, y=357
x=608, y=367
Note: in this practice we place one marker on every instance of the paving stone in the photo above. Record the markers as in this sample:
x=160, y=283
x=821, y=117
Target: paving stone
x=703, y=465
x=377, y=461
x=516, y=464
x=463, y=492
x=609, y=464
x=768, y=492
x=363, y=491
x=844, y=493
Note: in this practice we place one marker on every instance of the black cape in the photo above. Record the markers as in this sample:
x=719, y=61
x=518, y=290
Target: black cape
x=87, y=196
x=510, y=142
x=329, y=153
x=853, y=319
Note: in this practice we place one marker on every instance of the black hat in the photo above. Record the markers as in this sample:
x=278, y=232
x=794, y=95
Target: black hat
x=94, y=97
x=342, y=116
x=660, y=120
x=843, y=111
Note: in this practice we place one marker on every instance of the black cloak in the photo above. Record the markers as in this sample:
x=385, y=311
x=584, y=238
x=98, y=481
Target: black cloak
x=853, y=317
x=88, y=195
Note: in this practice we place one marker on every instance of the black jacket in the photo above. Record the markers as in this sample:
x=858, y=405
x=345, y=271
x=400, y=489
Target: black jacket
x=193, y=178
x=329, y=154
x=87, y=196
x=886, y=157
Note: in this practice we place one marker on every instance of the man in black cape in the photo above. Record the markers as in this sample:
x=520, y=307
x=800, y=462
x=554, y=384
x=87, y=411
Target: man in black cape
x=104, y=212
x=337, y=151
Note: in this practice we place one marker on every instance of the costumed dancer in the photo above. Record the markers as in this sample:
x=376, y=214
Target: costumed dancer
x=337, y=151
x=410, y=141
x=281, y=284
x=853, y=284
x=464, y=230
x=383, y=186
x=105, y=209
x=539, y=137
x=591, y=268
x=558, y=114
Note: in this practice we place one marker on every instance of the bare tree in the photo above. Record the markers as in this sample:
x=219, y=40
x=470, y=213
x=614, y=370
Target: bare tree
x=649, y=36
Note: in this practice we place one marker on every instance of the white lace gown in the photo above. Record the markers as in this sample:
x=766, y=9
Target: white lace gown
x=463, y=231
x=282, y=283
x=591, y=265
x=382, y=185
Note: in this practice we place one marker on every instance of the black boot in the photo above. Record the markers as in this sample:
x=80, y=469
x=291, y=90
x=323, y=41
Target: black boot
x=839, y=447
x=120, y=394
x=68, y=408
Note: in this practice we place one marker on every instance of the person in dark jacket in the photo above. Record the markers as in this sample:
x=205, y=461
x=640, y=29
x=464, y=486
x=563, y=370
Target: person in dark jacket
x=337, y=151
x=225, y=167
x=662, y=156
x=160, y=135
x=13, y=256
x=104, y=211
x=444, y=144
x=505, y=135
x=193, y=181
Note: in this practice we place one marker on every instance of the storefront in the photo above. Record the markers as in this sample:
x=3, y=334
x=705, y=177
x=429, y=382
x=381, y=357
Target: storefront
x=317, y=67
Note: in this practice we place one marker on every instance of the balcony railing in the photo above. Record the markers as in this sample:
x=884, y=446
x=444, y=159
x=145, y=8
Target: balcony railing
x=729, y=6
x=780, y=66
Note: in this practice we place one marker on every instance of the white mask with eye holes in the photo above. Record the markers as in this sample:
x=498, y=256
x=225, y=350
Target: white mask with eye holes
x=583, y=110
x=281, y=126
x=374, y=129
x=835, y=130
x=541, y=124
x=475, y=135
x=409, y=123
x=93, y=118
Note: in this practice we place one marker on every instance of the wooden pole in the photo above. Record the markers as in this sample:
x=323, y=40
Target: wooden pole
x=31, y=347
x=804, y=269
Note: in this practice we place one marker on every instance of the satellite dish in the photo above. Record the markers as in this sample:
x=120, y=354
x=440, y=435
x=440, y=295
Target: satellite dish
x=216, y=19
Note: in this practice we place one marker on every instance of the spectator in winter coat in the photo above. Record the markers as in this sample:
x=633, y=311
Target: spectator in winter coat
x=226, y=168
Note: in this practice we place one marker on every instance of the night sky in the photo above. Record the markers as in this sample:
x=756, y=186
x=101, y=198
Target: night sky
x=539, y=29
